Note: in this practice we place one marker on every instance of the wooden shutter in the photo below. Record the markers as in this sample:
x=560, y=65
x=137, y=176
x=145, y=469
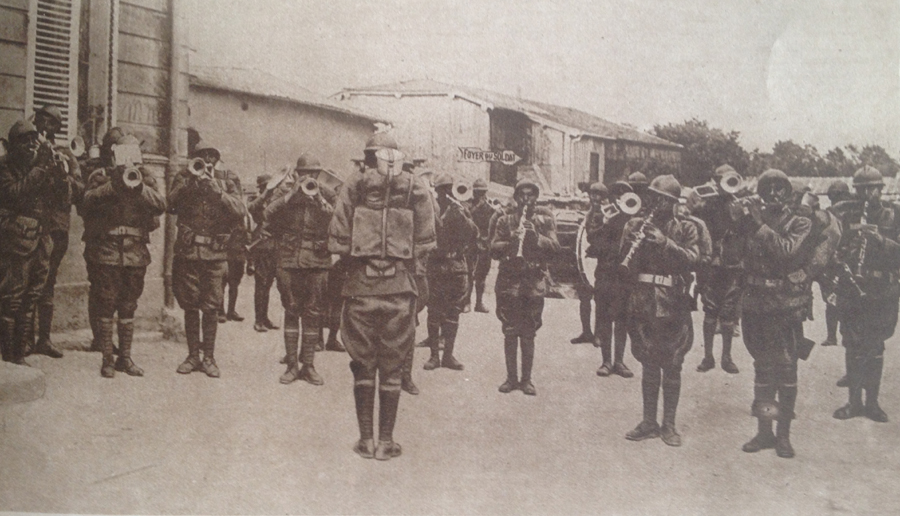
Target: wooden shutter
x=54, y=67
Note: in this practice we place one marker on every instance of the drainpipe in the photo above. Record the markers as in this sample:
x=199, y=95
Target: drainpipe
x=176, y=48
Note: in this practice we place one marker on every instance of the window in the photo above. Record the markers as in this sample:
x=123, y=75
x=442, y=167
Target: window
x=53, y=69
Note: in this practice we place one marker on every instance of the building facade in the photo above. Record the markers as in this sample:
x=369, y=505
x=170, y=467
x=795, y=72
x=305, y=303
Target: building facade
x=105, y=63
x=560, y=147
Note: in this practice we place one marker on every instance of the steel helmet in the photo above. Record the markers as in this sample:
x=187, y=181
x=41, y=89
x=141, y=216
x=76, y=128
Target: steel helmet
x=599, y=188
x=638, y=178
x=21, y=128
x=724, y=169
x=867, y=176
x=666, y=186
x=524, y=183
x=381, y=141
x=51, y=111
x=443, y=180
x=308, y=162
x=775, y=178
x=620, y=187
x=479, y=184
x=202, y=146
x=838, y=187
x=263, y=179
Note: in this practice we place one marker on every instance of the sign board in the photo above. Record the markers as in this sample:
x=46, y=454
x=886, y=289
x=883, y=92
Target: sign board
x=474, y=155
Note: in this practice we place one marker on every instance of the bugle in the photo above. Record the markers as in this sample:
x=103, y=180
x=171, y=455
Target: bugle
x=199, y=168
x=628, y=203
x=132, y=177
x=462, y=191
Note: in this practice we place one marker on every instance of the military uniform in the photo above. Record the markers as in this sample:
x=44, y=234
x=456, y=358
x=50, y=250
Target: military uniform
x=116, y=249
x=837, y=191
x=482, y=212
x=448, y=275
x=383, y=220
x=299, y=223
x=610, y=293
x=207, y=209
x=265, y=257
x=867, y=306
x=58, y=227
x=236, y=254
x=776, y=301
x=658, y=310
x=522, y=283
x=720, y=280
x=30, y=191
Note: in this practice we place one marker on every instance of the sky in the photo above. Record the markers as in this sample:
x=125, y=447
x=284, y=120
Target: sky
x=820, y=72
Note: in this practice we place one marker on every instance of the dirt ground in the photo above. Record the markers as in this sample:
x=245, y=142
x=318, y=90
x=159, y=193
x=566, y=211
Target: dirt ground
x=245, y=444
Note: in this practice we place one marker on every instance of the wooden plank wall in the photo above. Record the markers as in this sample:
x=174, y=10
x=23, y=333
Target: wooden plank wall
x=143, y=74
x=13, y=61
x=581, y=159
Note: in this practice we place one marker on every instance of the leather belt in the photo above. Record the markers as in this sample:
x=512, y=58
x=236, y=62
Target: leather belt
x=126, y=231
x=665, y=281
x=764, y=282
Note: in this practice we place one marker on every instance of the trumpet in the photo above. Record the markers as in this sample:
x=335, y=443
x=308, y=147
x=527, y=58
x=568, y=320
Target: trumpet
x=462, y=191
x=309, y=186
x=628, y=203
x=132, y=177
x=199, y=168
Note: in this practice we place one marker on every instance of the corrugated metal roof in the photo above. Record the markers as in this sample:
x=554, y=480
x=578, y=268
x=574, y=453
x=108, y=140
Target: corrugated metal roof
x=582, y=122
x=262, y=84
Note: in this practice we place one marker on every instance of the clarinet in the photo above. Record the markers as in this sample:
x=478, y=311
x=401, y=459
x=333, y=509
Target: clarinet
x=862, y=249
x=526, y=214
x=625, y=265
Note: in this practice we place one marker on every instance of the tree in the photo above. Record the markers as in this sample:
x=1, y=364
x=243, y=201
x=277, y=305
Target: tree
x=876, y=156
x=705, y=149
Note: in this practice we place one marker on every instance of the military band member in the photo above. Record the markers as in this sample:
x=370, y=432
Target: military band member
x=48, y=122
x=265, y=259
x=720, y=281
x=482, y=212
x=583, y=289
x=382, y=222
x=237, y=262
x=776, y=301
x=299, y=221
x=838, y=191
x=867, y=305
x=524, y=241
x=448, y=274
x=659, y=250
x=33, y=183
x=610, y=292
x=125, y=204
x=208, y=207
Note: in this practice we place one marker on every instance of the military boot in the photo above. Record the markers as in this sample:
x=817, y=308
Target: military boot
x=448, y=330
x=291, y=345
x=648, y=428
x=671, y=387
x=527, y=344
x=764, y=438
x=7, y=332
x=389, y=400
x=43, y=345
x=763, y=395
x=124, y=363
x=434, y=361
x=873, y=386
x=333, y=343
x=105, y=328
x=406, y=381
x=727, y=336
x=479, y=301
x=606, y=352
x=364, y=396
x=192, y=335
x=854, y=376
x=24, y=323
x=787, y=399
x=210, y=325
x=710, y=324
x=510, y=351
x=308, y=343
